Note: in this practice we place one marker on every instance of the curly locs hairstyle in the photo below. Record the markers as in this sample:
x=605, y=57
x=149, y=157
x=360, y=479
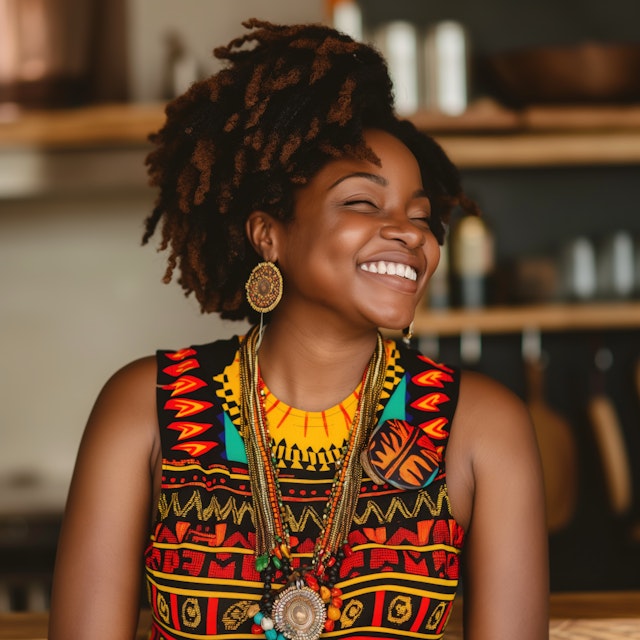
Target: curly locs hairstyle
x=290, y=99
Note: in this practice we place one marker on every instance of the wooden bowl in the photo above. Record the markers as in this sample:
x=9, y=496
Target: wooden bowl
x=584, y=73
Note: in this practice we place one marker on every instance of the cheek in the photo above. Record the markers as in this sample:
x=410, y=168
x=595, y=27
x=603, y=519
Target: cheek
x=336, y=246
x=347, y=240
x=314, y=256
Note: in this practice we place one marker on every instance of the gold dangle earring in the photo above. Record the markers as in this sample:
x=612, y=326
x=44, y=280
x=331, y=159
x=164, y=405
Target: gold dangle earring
x=264, y=290
x=407, y=334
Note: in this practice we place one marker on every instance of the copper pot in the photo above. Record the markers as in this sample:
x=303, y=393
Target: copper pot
x=586, y=73
x=45, y=51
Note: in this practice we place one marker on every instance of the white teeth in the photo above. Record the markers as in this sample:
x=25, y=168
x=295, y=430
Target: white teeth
x=390, y=268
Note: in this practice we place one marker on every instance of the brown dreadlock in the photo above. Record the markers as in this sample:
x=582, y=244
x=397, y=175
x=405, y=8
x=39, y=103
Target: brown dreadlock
x=290, y=99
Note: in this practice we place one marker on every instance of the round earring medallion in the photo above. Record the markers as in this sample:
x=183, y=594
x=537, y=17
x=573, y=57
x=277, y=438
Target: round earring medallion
x=264, y=287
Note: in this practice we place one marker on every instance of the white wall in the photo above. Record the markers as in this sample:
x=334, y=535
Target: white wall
x=79, y=298
x=202, y=25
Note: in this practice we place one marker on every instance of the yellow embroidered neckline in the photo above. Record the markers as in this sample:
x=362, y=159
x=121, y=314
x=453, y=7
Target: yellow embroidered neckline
x=310, y=427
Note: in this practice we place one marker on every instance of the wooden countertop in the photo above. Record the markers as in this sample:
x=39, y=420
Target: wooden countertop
x=611, y=615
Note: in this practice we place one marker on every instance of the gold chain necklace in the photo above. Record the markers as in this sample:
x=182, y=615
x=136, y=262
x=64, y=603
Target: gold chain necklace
x=309, y=603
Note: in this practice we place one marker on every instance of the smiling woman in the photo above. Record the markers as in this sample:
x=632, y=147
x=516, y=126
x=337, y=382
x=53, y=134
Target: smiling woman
x=310, y=478
x=350, y=221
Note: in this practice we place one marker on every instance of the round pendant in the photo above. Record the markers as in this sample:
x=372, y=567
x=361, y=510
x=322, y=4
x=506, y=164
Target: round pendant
x=402, y=455
x=299, y=613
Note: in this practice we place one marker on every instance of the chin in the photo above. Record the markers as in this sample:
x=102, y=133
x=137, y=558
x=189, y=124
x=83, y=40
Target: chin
x=389, y=316
x=394, y=330
x=395, y=324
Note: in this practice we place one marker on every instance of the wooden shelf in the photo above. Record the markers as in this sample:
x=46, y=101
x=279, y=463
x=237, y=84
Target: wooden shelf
x=543, y=150
x=86, y=127
x=545, y=318
x=486, y=136
x=490, y=136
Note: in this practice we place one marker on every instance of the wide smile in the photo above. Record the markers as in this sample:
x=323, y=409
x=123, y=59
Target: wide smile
x=385, y=267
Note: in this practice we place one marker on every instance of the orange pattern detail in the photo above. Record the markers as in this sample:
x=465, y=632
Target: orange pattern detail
x=436, y=428
x=195, y=448
x=424, y=531
x=186, y=406
x=185, y=384
x=430, y=402
x=189, y=429
x=377, y=534
x=403, y=455
x=432, y=378
x=325, y=423
x=181, y=354
x=181, y=529
x=216, y=539
x=179, y=368
x=433, y=363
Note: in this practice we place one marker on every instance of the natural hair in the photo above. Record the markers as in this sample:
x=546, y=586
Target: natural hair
x=290, y=99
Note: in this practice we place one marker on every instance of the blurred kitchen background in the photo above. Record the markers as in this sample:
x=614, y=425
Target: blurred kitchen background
x=537, y=101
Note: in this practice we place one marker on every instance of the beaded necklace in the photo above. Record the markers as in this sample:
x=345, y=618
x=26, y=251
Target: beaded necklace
x=309, y=602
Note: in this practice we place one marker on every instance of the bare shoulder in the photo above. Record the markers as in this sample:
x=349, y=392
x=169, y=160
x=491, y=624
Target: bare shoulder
x=129, y=395
x=125, y=411
x=490, y=417
x=132, y=379
x=491, y=436
x=482, y=396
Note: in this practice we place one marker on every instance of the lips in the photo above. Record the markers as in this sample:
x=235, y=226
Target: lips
x=385, y=267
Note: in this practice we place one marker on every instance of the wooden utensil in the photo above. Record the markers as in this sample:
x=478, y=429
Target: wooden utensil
x=557, y=450
x=613, y=453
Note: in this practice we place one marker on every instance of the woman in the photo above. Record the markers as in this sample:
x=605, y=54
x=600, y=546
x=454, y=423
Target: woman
x=293, y=482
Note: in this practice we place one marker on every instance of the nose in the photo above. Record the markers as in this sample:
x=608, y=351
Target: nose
x=402, y=229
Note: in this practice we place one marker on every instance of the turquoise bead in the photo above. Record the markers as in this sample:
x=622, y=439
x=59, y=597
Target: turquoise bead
x=258, y=617
x=271, y=634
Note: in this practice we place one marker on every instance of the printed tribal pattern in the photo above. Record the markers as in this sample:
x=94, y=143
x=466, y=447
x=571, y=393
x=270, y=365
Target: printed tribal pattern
x=403, y=574
x=228, y=390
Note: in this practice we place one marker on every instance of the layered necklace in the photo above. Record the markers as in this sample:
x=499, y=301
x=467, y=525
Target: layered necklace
x=308, y=603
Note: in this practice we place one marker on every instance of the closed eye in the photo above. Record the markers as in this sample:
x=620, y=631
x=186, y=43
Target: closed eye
x=421, y=211
x=425, y=218
x=361, y=204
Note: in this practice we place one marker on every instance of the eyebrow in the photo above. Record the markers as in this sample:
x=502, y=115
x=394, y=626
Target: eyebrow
x=374, y=177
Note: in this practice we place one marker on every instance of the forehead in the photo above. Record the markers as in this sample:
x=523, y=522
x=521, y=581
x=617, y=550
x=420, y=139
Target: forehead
x=396, y=162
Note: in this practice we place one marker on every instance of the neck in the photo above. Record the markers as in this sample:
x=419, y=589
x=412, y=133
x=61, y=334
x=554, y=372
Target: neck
x=313, y=368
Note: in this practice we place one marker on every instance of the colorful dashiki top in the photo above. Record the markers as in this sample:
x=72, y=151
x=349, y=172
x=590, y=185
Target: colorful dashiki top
x=402, y=577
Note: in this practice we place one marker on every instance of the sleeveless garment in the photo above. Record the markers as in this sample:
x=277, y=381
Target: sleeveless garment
x=402, y=577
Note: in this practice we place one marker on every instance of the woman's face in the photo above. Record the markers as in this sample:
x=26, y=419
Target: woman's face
x=359, y=249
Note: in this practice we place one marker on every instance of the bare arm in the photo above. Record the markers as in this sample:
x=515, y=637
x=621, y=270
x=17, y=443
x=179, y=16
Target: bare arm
x=506, y=577
x=96, y=590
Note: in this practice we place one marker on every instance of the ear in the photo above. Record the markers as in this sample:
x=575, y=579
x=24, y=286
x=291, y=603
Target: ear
x=263, y=232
